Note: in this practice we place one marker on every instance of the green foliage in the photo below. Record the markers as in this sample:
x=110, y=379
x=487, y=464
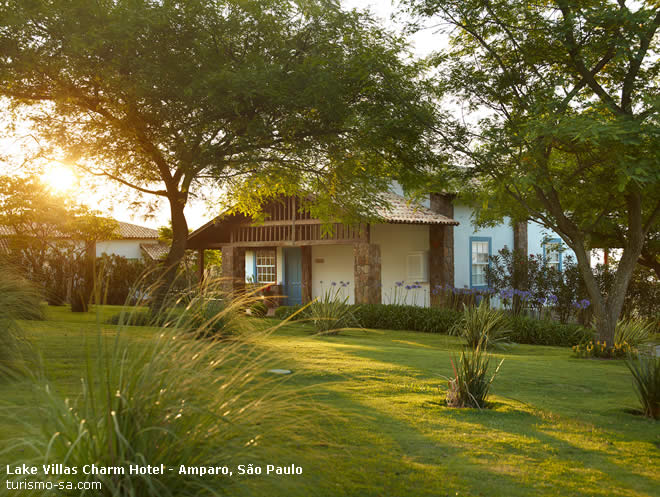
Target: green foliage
x=258, y=310
x=634, y=332
x=19, y=299
x=481, y=326
x=406, y=317
x=331, y=313
x=524, y=329
x=564, y=125
x=471, y=384
x=646, y=374
x=120, y=278
x=288, y=311
x=173, y=401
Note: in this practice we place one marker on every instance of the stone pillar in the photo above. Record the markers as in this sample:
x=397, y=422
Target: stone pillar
x=306, y=282
x=233, y=269
x=367, y=271
x=520, y=237
x=441, y=246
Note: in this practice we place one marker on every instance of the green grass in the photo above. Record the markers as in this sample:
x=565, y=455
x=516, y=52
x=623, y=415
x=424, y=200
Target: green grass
x=559, y=426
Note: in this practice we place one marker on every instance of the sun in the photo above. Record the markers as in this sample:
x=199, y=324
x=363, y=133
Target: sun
x=59, y=178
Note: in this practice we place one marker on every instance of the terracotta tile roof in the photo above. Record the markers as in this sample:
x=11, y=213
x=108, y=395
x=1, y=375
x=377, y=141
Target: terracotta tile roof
x=128, y=230
x=155, y=251
x=404, y=211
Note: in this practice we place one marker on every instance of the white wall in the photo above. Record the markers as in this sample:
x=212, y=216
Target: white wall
x=396, y=242
x=535, y=236
x=332, y=263
x=501, y=236
x=125, y=248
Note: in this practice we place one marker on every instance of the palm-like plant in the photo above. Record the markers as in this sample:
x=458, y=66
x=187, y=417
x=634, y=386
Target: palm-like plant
x=471, y=382
x=481, y=326
x=645, y=369
x=331, y=313
x=634, y=332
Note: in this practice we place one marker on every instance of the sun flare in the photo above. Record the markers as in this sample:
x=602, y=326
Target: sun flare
x=60, y=178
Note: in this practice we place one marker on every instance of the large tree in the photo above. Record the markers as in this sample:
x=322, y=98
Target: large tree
x=563, y=128
x=260, y=96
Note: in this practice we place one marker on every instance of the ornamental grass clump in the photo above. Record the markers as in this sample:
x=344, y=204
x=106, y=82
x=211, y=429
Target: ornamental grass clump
x=19, y=299
x=330, y=314
x=175, y=400
x=471, y=382
x=645, y=369
x=481, y=326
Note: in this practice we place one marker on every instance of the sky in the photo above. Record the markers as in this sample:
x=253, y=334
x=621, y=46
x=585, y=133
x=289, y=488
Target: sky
x=116, y=202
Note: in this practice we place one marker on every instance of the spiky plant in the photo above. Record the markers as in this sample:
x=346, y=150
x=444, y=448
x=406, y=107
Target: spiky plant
x=481, y=326
x=471, y=382
x=331, y=313
x=634, y=332
x=645, y=369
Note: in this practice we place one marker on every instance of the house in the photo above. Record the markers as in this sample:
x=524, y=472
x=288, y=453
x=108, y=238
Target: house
x=131, y=241
x=409, y=251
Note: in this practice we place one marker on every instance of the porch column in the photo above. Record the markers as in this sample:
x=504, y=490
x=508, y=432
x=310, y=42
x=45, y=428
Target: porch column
x=367, y=273
x=233, y=269
x=441, y=246
x=306, y=281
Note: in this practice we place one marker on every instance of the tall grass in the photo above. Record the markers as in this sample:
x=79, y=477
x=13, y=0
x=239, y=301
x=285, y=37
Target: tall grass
x=645, y=369
x=174, y=400
x=471, y=382
x=19, y=299
x=481, y=326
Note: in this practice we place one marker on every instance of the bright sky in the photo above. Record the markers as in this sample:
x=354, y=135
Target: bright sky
x=116, y=203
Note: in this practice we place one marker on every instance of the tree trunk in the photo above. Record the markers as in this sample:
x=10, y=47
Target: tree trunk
x=175, y=255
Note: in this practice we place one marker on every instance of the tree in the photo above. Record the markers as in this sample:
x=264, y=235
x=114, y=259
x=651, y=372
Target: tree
x=565, y=124
x=51, y=238
x=258, y=96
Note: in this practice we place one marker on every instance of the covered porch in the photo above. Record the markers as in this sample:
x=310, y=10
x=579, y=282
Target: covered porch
x=293, y=252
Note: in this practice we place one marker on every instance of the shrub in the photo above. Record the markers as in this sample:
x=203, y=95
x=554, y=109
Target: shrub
x=172, y=401
x=288, y=312
x=406, y=317
x=634, y=332
x=120, y=276
x=481, y=326
x=470, y=385
x=330, y=313
x=646, y=376
x=523, y=329
x=258, y=310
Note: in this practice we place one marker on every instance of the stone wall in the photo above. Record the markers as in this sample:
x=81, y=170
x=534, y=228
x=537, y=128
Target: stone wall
x=367, y=273
x=233, y=269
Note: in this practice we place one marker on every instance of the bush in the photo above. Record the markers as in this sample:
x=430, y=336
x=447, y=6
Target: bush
x=471, y=384
x=406, y=317
x=532, y=331
x=288, y=312
x=120, y=277
x=481, y=326
x=173, y=401
x=258, y=310
x=646, y=376
x=330, y=313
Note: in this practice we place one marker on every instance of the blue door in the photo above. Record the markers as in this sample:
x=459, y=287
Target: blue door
x=293, y=275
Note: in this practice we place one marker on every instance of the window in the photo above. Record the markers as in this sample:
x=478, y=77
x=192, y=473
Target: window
x=417, y=266
x=552, y=253
x=480, y=251
x=266, y=270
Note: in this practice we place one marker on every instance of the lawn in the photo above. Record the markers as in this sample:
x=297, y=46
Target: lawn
x=558, y=426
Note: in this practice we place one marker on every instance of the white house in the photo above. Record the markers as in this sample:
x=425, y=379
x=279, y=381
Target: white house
x=131, y=241
x=409, y=252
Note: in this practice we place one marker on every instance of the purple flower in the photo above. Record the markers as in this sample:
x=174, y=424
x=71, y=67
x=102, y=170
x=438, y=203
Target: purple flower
x=408, y=287
x=398, y=283
x=334, y=283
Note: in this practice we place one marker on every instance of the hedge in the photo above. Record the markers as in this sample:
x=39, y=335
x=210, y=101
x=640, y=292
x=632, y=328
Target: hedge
x=406, y=317
x=523, y=329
